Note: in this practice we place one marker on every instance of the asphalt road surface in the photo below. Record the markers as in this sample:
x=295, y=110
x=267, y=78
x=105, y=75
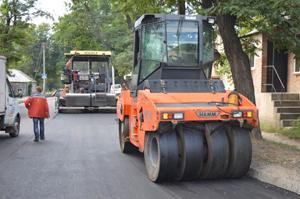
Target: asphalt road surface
x=81, y=159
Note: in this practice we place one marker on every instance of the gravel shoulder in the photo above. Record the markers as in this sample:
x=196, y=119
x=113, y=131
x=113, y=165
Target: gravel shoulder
x=276, y=161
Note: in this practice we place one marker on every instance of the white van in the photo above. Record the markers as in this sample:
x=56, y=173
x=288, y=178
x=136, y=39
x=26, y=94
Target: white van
x=9, y=107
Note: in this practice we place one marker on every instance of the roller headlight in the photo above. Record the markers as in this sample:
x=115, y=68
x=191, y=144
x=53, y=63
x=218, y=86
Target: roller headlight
x=242, y=114
x=233, y=99
x=237, y=114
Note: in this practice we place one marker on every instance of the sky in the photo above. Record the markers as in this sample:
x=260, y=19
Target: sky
x=55, y=7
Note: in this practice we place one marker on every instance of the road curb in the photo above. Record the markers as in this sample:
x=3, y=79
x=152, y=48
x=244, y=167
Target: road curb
x=276, y=175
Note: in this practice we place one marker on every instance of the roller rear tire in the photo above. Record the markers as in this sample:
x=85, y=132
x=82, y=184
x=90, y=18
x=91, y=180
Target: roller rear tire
x=216, y=162
x=161, y=154
x=124, y=140
x=191, y=152
x=240, y=151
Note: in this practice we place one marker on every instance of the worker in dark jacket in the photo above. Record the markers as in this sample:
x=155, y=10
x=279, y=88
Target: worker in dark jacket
x=38, y=110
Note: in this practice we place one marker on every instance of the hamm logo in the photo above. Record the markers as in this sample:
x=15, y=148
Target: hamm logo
x=207, y=114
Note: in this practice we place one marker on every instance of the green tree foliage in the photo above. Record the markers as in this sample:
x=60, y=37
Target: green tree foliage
x=54, y=56
x=16, y=33
x=95, y=25
x=278, y=19
x=107, y=25
x=20, y=40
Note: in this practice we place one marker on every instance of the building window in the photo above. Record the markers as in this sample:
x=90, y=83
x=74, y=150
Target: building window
x=297, y=64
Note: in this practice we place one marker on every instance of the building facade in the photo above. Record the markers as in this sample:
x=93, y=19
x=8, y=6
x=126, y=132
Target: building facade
x=276, y=78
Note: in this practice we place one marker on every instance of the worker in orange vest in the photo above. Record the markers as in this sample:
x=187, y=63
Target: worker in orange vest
x=38, y=110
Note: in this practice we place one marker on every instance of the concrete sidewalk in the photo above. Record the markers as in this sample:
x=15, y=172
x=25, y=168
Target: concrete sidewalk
x=283, y=176
x=276, y=175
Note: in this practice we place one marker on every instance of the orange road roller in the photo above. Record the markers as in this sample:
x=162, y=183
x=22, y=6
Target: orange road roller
x=183, y=120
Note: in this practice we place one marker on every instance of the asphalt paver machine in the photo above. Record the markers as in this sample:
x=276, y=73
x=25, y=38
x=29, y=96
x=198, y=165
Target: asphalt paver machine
x=87, y=78
x=185, y=122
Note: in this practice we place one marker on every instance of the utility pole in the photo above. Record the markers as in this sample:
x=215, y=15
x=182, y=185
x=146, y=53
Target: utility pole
x=44, y=67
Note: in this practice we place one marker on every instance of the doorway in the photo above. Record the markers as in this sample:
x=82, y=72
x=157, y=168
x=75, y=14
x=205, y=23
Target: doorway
x=277, y=69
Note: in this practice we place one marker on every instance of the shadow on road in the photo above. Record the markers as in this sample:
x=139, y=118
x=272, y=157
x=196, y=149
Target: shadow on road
x=4, y=136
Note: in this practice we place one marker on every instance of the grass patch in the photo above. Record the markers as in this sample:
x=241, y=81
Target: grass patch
x=293, y=132
x=269, y=128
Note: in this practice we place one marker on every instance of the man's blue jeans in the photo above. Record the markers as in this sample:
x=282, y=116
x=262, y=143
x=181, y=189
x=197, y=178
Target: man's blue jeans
x=38, y=128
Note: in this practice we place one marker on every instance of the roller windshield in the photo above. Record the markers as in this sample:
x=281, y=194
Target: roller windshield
x=183, y=42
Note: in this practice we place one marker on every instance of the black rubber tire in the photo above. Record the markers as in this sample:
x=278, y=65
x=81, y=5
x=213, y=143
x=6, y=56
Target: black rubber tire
x=161, y=155
x=191, y=152
x=14, y=130
x=125, y=144
x=216, y=162
x=240, y=151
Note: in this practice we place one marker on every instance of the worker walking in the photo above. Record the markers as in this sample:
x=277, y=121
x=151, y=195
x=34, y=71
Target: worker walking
x=38, y=110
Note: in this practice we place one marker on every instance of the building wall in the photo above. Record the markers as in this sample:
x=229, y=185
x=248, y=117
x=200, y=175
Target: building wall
x=259, y=73
x=264, y=62
x=293, y=84
x=264, y=103
x=267, y=112
x=258, y=59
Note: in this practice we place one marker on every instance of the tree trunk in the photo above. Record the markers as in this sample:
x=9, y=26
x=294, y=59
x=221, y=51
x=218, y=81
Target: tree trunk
x=181, y=7
x=238, y=59
x=129, y=21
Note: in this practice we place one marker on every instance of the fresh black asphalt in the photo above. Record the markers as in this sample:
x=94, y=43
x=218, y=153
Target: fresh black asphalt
x=81, y=159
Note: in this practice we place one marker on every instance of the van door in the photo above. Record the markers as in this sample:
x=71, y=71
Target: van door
x=11, y=106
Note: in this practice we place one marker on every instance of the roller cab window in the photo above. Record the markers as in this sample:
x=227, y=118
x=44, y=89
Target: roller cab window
x=182, y=42
x=153, y=48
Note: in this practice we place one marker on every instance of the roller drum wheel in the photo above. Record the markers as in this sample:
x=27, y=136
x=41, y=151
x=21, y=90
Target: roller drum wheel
x=161, y=155
x=240, y=151
x=125, y=145
x=217, y=159
x=191, y=152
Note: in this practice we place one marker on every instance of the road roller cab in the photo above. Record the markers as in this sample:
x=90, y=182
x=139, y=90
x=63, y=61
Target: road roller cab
x=185, y=122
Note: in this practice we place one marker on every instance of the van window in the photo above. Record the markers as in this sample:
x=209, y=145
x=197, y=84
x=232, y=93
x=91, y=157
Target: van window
x=10, y=90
